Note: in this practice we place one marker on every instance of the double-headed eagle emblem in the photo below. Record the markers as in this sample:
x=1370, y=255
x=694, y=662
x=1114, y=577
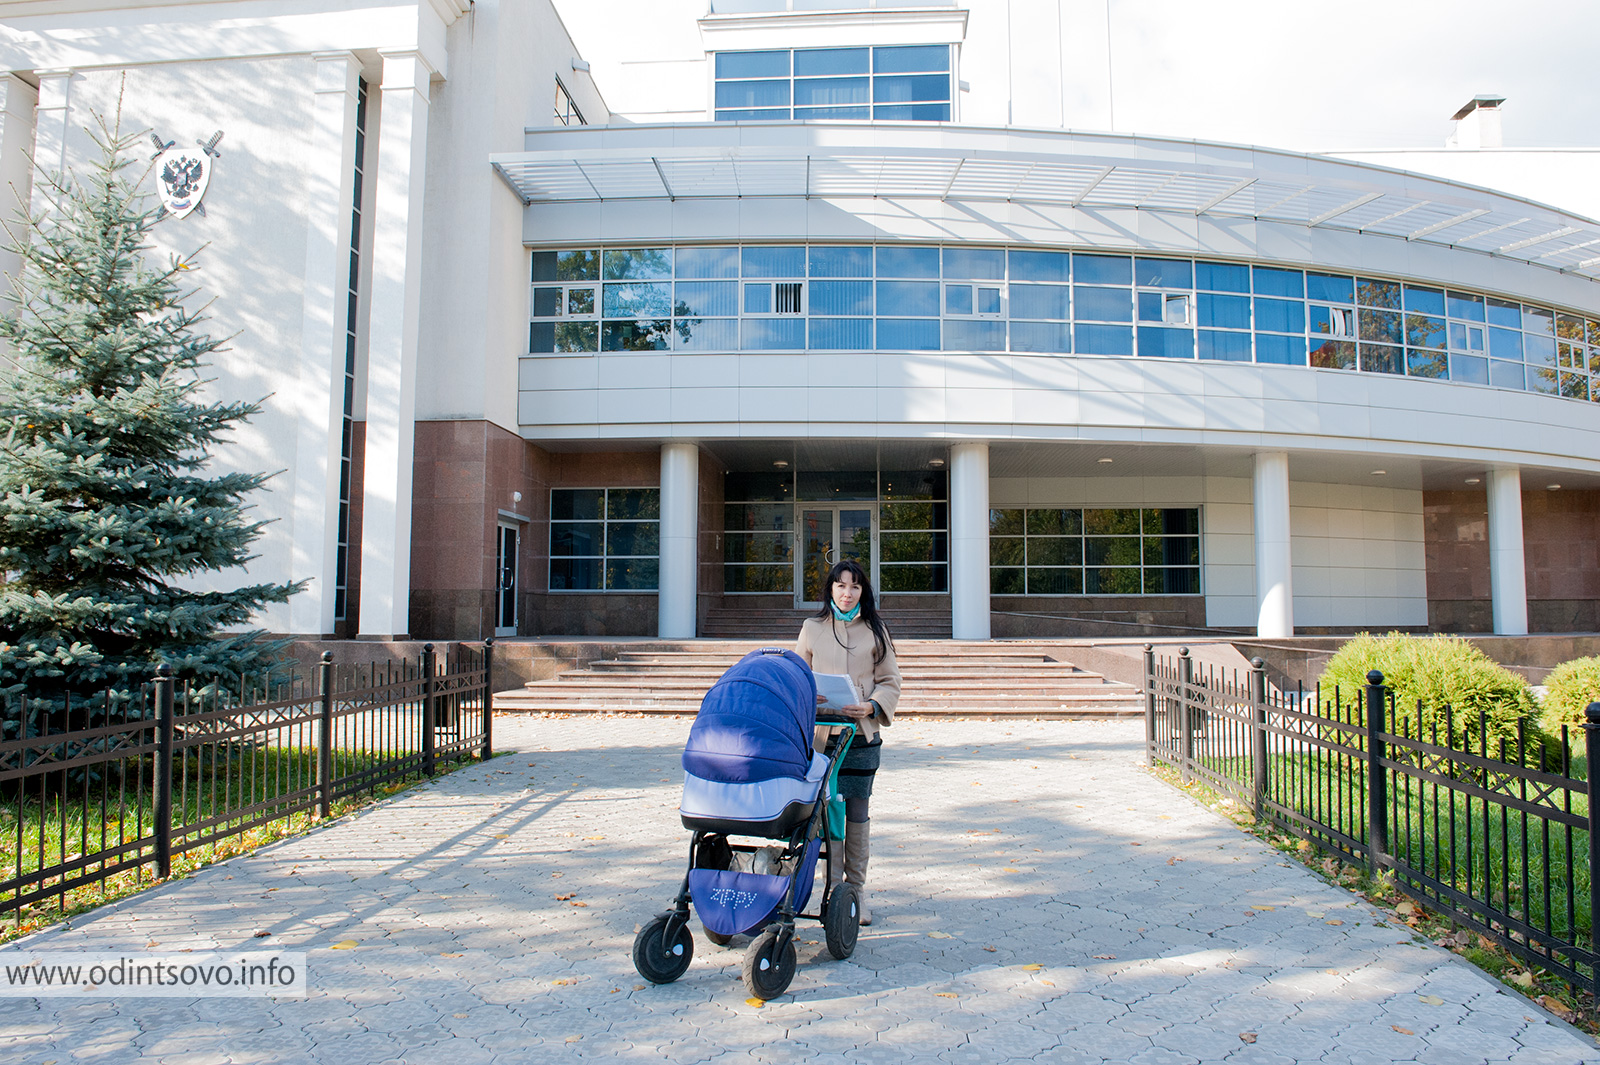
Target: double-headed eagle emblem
x=183, y=174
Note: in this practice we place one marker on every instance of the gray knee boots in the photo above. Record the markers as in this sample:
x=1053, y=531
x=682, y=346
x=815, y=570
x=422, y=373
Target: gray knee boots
x=857, y=849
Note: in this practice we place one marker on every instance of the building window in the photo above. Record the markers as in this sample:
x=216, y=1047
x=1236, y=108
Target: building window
x=1069, y=551
x=605, y=539
x=567, y=113
x=341, y=575
x=758, y=532
x=901, y=83
x=914, y=531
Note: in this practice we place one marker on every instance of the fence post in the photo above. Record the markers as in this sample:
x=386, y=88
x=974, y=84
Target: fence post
x=163, y=771
x=488, y=699
x=325, y=735
x=1377, y=781
x=1149, y=704
x=1258, y=735
x=1591, y=752
x=1185, y=714
x=427, y=709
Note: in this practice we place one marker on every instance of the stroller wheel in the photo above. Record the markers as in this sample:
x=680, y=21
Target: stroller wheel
x=841, y=920
x=658, y=961
x=765, y=976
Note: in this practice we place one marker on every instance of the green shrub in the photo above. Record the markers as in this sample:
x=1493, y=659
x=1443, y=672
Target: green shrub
x=1440, y=671
x=1570, y=688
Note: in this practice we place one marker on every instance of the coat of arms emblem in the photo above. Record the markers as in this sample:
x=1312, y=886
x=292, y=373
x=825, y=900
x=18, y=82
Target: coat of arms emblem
x=183, y=174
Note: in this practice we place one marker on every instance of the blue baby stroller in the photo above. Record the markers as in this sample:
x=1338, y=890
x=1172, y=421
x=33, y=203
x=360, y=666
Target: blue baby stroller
x=750, y=771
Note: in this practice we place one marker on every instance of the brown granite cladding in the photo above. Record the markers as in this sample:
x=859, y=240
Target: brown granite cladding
x=709, y=549
x=1019, y=616
x=1561, y=544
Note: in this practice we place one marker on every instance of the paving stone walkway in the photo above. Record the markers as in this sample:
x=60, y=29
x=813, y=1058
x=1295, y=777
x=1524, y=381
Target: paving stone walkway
x=1040, y=898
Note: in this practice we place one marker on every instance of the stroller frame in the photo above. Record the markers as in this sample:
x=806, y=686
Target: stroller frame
x=664, y=947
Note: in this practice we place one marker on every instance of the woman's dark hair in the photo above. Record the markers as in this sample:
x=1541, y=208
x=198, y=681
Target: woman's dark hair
x=869, y=606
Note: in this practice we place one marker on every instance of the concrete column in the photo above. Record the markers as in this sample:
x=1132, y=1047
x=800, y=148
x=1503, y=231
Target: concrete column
x=52, y=119
x=392, y=345
x=17, y=102
x=969, y=541
x=1508, y=577
x=328, y=192
x=680, y=529
x=1274, y=567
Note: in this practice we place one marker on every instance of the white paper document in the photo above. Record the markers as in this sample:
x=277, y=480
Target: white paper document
x=838, y=691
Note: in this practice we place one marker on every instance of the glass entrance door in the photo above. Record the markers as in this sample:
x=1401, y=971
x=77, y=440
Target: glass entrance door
x=505, y=593
x=827, y=534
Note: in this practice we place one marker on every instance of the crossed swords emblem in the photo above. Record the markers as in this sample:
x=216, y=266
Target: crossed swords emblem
x=209, y=147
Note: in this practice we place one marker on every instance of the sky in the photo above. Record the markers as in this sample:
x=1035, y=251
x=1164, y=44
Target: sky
x=1306, y=75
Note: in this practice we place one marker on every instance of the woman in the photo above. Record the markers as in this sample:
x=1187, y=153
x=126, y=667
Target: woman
x=848, y=636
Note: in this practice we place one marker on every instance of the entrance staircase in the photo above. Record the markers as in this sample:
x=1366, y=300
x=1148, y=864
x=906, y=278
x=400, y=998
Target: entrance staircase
x=941, y=678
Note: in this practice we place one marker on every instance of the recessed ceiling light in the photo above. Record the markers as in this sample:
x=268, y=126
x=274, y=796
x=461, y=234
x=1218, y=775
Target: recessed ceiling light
x=781, y=464
x=1472, y=480
x=1380, y=473
x=1106, y=462
x=936, y=463
x=1553, y=487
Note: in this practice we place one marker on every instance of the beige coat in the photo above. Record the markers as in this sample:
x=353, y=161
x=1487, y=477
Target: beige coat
x=830, y=646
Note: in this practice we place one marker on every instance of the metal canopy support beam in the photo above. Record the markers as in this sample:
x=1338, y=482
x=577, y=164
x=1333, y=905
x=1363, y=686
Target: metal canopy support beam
x=1105, y=173
x=1359, y=201
x=594, y=188
x=1238, y=187
x=1427, y=231
x=662, y=174
x=1531, y=241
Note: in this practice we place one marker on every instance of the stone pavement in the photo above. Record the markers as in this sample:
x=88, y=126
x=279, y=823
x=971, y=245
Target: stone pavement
x=1040, y=897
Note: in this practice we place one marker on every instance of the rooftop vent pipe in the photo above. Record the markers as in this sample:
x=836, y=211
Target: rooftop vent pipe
x=1477, y=123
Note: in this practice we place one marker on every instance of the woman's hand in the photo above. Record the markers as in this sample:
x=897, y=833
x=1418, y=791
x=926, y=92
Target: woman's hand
x=858, y=711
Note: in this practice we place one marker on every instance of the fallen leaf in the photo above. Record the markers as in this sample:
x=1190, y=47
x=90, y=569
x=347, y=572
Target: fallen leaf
x=1008, y=869
x=574, y=1038
x=1430, y=1000
x=938, y=935
x=638, y=987
x=583, y=904
x=261, y=935
x=1174, y=861
x=756, y=1002
x=1106, y=957
x=1523, y=980
x=594, y=837
x=1028, y=968
x=502, y=835
x=614, y=990
x=1402, y=1031
x=945, y=994
x=1335, y=922
x=1318, y=916
x=1406, y=909
x=564, y=981
x=1136, y=843
x=1556, y=1006
x=989, y=949
x=344, y=944
x=152, y=943
x=452, y=955
x=460, y=1016
x=1247, y=1037
x=1264, y=909
x=564, y=898
x=556, y=876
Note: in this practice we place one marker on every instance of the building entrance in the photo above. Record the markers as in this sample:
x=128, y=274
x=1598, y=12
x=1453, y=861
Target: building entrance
x=829, y=534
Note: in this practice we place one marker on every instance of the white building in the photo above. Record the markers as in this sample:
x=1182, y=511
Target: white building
x=834, y=279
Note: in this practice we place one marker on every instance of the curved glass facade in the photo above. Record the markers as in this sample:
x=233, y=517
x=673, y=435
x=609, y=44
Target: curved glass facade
x=961, y=298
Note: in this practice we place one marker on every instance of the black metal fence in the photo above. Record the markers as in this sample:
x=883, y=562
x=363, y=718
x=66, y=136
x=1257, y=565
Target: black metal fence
x=178, y=770
x=1493, y=831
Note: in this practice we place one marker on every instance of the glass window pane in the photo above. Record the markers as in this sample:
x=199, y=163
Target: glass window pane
x=1282, y=350
x=1171, y=551
x=770, y=114
x=1042, y=337
x=1055, y=551
x=1052, y=521
x=773, y=262
x=758, y=487
x=841, y=262
x=914, y=546
x=757, y=517
x=1172, y=521
x=633, y=538
x=1222, y=277
x=706, y=334
x=643, y=335
x=908, y=297
x=644, y=264
x=1163, y=343
x=917, y=515
x=812, y=62
x=1005, y=551
x=633, y=574
x=1274, y=282
x=1542, y=379
x=1538, y=320
x=1381, y=358
x=580, y=300
x=1425, y=332
x=1374, y=293
x=915, y=578
x=1539, y=350
x=838, y=484
x=908, y=262
x=574, y=574
x=841, y=297
x=1466, y=305
x=910, y=88
x=1118, y=522
x=902, y=59
x=1039, y=265
x=750, y=94
x=546, y=302
x=978, y=263
x=918, y=484
x=1506, y=374
x=908, y=334
x=1280, y=316
x=1426, y=363
x=1103, y=339
x=1055, y=582
x=1382, y=326
x=773, y=64
x=911, y=112
x=758, y=578
x=981, y=334
x=772, y=334
x=708, y=262
x=1007, y=522
x=841, y=334
x=1506, y=343
x=1333, y=354
x=1164, y=273
x=758, y=299
x=637, y=300
x=1502, y=312
x=1224, y=347
x=760, y=547
x=705, y=299
x=1102, y=269
x=957, y=299
x=577, y=538
x=988, y=300
x=1469, y=368
x=576, y=504
x=1333, y=288
x=1172, y=581
x=1039, y=301
x=1574, y=385
x=566, y=265
x=1152, y=306
x=1007, y=581
x=1102, y=304
x=1427, y=300
x=1112, y=582
x=1224, y=312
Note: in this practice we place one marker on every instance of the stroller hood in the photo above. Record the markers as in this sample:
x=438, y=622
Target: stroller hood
x=756, y=722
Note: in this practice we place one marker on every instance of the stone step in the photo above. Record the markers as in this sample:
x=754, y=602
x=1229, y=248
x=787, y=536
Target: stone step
x=521, y=700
